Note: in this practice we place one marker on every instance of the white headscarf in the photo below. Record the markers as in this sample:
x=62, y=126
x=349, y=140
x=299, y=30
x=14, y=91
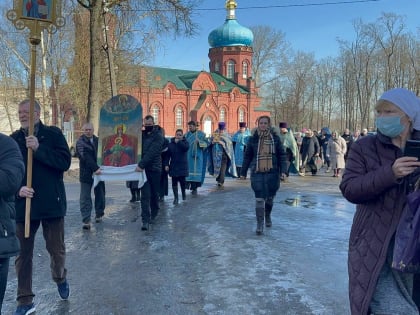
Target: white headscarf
x=407, y=101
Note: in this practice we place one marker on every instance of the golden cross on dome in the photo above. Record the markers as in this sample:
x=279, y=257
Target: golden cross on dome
x=230, y=6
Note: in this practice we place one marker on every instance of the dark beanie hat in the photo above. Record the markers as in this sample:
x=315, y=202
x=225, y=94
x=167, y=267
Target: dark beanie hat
x=283, y=124
x=242, y=124
x=222, y=125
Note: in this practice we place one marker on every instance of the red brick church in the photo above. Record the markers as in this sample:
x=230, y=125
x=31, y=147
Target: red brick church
x=226, y=93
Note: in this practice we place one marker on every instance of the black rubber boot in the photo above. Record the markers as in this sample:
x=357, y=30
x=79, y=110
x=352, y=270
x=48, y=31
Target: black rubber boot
x=175, y=190
x=133, y=195
x=268, y=209
x=259, y=212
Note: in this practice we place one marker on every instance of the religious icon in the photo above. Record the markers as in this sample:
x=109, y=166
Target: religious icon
x=120, y=148
x=37, y=9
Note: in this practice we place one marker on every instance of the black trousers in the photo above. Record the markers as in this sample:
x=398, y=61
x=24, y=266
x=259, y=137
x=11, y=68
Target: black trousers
x=150, y=196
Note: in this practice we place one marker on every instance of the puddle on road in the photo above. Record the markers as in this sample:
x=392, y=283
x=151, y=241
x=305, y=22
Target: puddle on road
x=301, y=201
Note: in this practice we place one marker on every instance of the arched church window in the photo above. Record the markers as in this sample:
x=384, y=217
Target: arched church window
x=241, y=115
x=230, y=69
x=244, y=70
x=168, y=93
x=155, y=113
x=179, y=117
x=222, y=114
x=217, y=66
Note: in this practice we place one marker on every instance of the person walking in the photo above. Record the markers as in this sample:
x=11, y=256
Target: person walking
x=133, y=185
x=324, y=137
x=12, y=172
x=336, y=150
x=349, y=141
x=176, y=163
x=222, y=157
x=197, y=157
x=239, y=140
x=51, y=158
x=151, y=164
x=308, y=151
x=266, y=157
x=292, y=151
x=87, y=152
x=164, y=181
x=377, y=179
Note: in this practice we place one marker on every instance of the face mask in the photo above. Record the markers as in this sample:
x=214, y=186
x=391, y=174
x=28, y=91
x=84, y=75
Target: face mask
x=390, y=125
x=148, y=128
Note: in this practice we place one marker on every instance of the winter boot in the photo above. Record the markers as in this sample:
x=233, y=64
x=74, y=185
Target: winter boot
x=138, y=194
x=133, y=195
x=182, y=184
x=259, y=212
x=268, y=208
x=175, y=190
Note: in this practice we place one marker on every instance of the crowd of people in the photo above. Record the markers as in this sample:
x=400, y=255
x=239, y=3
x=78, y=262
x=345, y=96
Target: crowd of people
x=377, y=179
x=325, y=148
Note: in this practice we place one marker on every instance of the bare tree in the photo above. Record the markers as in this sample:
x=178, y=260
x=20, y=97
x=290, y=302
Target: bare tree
x=269, y=47
x=164, y=16
x=386, y=32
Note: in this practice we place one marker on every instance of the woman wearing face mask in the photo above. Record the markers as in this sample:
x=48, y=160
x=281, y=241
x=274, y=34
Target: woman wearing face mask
x=376, y=180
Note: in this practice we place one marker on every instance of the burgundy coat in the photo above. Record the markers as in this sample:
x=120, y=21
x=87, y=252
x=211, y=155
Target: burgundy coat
x=369, y=182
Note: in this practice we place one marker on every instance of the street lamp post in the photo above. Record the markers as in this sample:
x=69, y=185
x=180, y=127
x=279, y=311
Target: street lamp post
x=36, y=17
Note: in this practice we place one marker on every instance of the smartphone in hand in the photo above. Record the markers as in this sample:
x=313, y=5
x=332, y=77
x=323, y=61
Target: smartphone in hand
x=412, y=148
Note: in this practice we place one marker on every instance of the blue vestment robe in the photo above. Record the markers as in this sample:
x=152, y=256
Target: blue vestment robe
x=197, y=156
x=240, y=139
x=216, y=152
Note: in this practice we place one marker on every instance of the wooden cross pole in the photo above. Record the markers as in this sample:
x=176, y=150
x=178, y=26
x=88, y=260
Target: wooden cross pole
x=36, y=19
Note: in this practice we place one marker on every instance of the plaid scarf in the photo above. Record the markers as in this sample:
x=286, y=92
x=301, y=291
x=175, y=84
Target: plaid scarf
x=265, y=151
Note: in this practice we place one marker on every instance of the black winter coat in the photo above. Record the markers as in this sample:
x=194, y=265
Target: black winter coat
x=264, y=184
x=50, y=161
x=151, y=154
x=87, y=153
x=12, y=172
x=177, y=158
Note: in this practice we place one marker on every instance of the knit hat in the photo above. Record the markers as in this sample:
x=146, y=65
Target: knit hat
x=283, y=124
x=407, y=101
x=222, y=125
x=242, y=124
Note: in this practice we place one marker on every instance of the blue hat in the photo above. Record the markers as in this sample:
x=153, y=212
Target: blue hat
x=222, y=125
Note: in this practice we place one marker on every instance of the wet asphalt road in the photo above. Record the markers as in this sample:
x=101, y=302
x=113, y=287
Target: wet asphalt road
x=203, y=256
